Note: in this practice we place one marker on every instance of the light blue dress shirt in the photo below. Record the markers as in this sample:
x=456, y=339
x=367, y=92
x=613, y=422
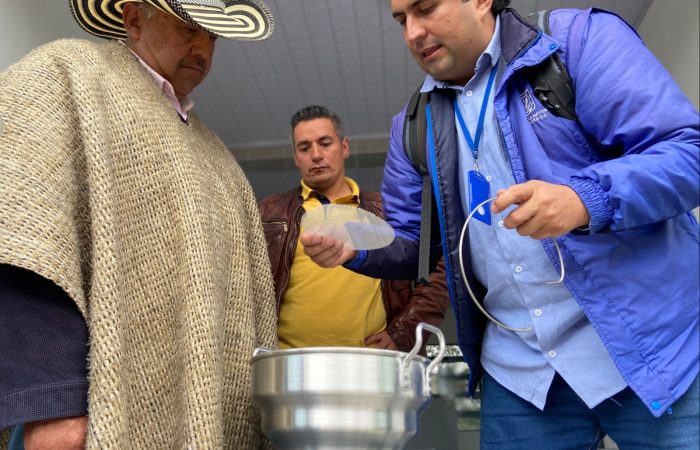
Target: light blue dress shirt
x=515, y=270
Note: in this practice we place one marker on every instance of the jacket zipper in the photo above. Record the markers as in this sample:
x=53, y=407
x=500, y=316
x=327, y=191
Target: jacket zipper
x=291, y=247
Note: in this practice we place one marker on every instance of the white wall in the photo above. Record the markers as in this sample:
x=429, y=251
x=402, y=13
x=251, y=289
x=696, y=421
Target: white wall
x=670, y=30
x=26, y=24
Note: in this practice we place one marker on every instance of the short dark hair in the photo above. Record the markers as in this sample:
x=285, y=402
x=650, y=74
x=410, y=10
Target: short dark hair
x=313, y=112
x=498, y=6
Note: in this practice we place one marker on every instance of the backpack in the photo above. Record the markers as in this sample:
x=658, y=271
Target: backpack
x=550, y=82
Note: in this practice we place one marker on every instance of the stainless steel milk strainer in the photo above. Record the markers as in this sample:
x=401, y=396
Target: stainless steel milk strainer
x=469, y=288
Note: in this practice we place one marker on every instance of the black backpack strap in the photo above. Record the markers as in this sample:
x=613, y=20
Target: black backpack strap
x=426, y=215
x=539, y=20
x=550, y=80
x=414, y=135
x=414, y=130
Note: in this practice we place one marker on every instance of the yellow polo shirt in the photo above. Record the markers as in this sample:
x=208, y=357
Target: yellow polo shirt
x=328, y=307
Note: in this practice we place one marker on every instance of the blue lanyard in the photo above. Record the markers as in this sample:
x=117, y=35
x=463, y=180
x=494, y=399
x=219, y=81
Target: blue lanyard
x=474, y=144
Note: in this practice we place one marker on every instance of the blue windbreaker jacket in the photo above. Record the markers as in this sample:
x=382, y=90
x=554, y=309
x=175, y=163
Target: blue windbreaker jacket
x=633, y=158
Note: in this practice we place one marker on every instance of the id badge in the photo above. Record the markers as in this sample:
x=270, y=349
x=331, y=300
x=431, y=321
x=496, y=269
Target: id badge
x=479, y=192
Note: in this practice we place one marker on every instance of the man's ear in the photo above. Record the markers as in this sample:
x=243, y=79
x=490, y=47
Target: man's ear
x=345, y=143
x=484, y=5
x=132, y=20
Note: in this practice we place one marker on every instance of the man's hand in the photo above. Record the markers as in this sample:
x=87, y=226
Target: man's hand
x=67, y=433
x=546, y=210
x=326, y=251
x=381, y=340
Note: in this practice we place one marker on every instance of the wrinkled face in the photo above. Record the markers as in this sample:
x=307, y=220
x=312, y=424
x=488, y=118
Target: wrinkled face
x=445, y=37
x=320, y=154
x=178, y=51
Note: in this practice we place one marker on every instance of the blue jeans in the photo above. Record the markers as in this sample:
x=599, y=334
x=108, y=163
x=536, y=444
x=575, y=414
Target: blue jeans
x=509, y=422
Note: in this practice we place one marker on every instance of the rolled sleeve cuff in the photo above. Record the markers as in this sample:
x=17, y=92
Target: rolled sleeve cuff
x=52, y=401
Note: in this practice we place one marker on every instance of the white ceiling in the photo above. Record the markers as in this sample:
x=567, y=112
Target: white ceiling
x=347, y=55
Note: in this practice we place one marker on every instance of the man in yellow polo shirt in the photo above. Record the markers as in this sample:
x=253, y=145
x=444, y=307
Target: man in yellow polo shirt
x=336, y=307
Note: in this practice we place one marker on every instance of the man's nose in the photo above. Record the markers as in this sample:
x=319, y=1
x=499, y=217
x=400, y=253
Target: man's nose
x=203, y=45
x=414, y=31
x=316, y=153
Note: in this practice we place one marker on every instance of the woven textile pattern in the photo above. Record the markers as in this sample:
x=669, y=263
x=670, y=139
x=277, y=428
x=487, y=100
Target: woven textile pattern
x=151, y=227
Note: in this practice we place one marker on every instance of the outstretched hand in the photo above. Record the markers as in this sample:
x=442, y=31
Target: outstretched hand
x=326, y=251
x=545, y=209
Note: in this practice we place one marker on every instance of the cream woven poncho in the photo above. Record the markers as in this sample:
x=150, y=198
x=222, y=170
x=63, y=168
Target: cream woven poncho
x=151, y=227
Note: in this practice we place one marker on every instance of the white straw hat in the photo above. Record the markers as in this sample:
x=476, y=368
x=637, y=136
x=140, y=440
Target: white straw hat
x=248, y=20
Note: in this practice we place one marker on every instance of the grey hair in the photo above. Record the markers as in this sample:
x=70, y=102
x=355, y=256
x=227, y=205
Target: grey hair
x=147, y=9
x=313, y=112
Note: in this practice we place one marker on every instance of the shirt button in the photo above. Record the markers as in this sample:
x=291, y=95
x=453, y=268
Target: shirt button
x=656, y=404
x=489, y=178
x=469, y=93
x=518, y=269
x=500, y=223
x=552, y=354
x=538, y=312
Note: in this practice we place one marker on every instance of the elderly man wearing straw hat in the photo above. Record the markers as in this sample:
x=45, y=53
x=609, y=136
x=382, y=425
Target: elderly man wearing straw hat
x=134, y=278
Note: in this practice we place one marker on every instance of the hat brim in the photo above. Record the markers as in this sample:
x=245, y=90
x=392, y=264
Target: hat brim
x=247, y=20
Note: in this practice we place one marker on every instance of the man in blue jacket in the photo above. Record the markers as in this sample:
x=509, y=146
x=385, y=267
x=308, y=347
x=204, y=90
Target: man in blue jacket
x=602, y=202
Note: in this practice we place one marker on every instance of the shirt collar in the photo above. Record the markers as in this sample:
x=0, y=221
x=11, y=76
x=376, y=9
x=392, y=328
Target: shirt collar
x=306, y=191
x=486, y=60
x=182, y=107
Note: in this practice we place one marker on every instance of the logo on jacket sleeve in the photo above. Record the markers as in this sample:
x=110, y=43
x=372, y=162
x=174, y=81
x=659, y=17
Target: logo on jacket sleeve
x=533, y=114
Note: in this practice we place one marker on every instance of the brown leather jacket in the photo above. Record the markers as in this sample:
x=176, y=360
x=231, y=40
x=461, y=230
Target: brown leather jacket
x=405, y=307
